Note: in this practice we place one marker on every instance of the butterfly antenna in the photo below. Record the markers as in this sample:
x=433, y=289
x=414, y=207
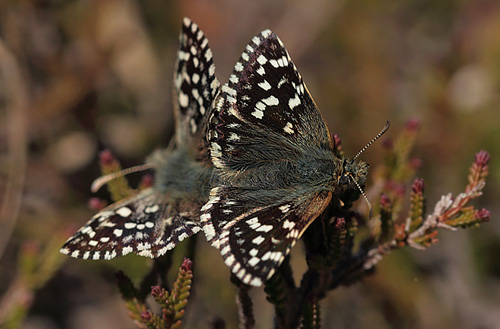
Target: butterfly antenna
x=364, y=196
x=373, y=140
x=99, y=182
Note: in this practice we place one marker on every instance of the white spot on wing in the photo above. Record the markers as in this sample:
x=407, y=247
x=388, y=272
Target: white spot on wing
x=294, y=102
x=151, y=209
x=271, y=100
x=282, y=81
x=130, y=226
x=127, y=250
x=86, y=229
x=289, y=128
x=194, y=128
x=233, y=137
x=183, y=99
x=208, y=56
x=247, y=278
x=266, y=33
x=284, y=208
x=194, y=27
x=264, y=85
x=264, y=228
x=225, y=250
x=258, y=240
x=211, y=69
x=262, y=59
x=288, y=225
x=256, y=282
x=229, y=260
x=238, y=67
x=258, y=113
x=204, y=43
x=253, y=261
x=124, y=211
x=183, y=56
x=274, y=63
x=253, y=223
x=195, y=78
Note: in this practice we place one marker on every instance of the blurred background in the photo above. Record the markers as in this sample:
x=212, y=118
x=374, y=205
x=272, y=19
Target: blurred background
x=77, y=77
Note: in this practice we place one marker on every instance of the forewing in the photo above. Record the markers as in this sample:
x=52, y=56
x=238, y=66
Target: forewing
x=144, y=224
x=264, y=103
x=255, y=241
x=195, y=85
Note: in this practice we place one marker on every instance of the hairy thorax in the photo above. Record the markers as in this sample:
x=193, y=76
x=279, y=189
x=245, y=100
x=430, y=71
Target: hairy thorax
x=179, y=176
x=304, y=173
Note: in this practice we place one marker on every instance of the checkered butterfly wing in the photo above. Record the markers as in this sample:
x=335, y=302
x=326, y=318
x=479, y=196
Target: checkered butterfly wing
x=147, y=223
x=195, y=88
x=272, y=151
x=142, y=223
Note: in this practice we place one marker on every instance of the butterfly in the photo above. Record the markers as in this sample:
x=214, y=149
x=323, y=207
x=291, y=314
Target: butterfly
x=156, y=219
x=276, y=166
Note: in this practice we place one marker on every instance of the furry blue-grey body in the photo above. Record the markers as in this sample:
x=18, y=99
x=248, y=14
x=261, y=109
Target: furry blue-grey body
x=178, y=175
x=285, y=176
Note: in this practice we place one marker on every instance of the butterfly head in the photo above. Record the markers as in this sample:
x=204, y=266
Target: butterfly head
x=352, y=173
x=350, y=180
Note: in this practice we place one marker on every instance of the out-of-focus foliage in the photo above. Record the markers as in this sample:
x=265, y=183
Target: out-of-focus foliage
x=80, y=76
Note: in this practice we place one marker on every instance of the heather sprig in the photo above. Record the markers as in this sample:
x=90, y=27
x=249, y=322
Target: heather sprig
x=172, y=302
x=420, y=230
x=118, y=187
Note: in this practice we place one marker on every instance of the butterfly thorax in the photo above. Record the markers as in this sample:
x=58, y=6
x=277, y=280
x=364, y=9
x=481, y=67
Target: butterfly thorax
x=179, y=176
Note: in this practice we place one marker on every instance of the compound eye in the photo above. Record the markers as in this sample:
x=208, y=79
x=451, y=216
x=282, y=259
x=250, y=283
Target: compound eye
x=344, y=180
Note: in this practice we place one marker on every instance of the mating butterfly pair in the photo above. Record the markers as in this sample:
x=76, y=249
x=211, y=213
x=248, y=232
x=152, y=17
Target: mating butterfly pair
x=252, y=164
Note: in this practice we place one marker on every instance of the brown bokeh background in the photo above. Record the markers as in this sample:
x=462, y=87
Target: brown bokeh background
x=80, y=76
